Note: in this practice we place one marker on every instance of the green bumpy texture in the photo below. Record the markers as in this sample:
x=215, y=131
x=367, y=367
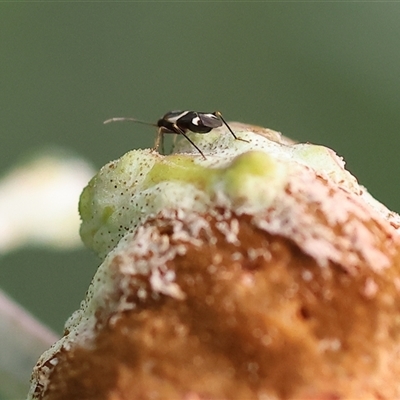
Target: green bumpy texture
x=142, y=183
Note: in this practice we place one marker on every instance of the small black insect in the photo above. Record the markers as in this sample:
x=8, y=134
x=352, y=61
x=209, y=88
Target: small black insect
x=180, y=122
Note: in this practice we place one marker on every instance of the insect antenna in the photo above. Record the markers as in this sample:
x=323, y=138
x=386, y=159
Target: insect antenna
x=117, y=119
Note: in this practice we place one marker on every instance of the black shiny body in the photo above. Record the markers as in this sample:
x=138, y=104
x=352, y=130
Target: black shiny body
x=181, y=122
x=193, y=121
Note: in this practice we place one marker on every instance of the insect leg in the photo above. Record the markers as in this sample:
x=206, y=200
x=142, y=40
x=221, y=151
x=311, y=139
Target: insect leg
x=219, y=115
x=159, y=140
x=181, y=132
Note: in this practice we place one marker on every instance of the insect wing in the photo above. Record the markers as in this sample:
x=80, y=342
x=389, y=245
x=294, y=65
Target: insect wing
x=188, y=121
x=199, y=122
x=173, y=116
x=209, y=120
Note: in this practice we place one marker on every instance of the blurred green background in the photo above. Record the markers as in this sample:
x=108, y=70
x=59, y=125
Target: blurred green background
x=323, y=72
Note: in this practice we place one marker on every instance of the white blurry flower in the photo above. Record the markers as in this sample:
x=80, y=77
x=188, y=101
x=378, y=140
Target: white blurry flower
x=39, y=201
